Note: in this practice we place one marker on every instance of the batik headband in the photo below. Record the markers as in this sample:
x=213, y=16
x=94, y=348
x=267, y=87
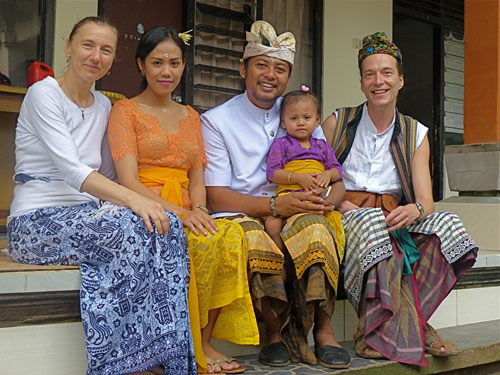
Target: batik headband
x=378, y=43
x=262, y=40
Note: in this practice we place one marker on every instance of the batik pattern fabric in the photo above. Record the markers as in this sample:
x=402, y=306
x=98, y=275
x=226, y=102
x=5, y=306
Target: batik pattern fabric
x=133, y=294
x=396, y=305
x=314, y=251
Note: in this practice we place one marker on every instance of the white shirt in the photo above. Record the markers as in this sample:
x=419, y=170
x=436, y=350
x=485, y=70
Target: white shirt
x=369, y=165
x=55, y=144
x=237, y=137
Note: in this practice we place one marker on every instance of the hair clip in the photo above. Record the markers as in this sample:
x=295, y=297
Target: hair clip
x=185, y=36
x=304, y=88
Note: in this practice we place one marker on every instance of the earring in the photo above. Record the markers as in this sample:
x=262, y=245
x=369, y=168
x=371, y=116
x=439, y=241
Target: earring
x=108, y=73
x=142, y=73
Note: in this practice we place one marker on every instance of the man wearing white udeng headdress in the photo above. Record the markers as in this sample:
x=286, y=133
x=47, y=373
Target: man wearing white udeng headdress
x=290, y=291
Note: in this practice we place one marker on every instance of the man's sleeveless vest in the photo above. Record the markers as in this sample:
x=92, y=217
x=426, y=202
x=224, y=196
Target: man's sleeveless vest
x=402, y=148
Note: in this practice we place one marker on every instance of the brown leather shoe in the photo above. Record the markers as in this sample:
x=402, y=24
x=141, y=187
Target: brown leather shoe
x=363, y=350
x=435, y=343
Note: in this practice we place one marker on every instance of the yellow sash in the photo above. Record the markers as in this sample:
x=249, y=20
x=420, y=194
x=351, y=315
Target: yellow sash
x=300, y=166
x=172, y=179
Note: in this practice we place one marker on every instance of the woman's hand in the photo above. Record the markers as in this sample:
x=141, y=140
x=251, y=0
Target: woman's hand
x=199, y=222
x=306, y=180
x=150, y=210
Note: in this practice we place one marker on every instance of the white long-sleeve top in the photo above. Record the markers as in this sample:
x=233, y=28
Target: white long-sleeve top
x=58, y=148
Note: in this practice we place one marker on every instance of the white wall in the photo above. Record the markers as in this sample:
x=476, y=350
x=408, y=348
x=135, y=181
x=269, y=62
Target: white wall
x=68, y=12
x=347, y=22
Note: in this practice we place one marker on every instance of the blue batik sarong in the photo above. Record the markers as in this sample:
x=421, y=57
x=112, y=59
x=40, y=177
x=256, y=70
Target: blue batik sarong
x=133, y=296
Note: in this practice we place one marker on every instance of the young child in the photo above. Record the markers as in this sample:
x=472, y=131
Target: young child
x=297, y=161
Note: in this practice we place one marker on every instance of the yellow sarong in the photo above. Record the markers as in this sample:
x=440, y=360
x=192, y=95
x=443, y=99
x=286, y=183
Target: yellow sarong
x=172, y=180
x=219, y=262
x=297, y=237
x=300, y=166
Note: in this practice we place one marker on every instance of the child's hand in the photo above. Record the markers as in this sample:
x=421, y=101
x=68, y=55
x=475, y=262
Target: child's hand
x=306, y=180
x=323, y=179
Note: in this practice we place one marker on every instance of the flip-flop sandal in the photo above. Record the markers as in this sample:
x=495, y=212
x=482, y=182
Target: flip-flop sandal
x=434, y=343
x=237, y=370
x=211, y=369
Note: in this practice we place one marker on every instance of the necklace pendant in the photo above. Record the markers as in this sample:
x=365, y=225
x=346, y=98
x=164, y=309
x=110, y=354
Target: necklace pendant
x=164, y=110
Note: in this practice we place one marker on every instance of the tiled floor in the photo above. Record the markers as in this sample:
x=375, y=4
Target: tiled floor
x=466, y=337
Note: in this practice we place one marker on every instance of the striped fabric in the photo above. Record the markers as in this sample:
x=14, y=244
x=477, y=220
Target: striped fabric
x=314, y=251
x=397, y=305
x=402, y=149
x=368, y=242
x=455, y=241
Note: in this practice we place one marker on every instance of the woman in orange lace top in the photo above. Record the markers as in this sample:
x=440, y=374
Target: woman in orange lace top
x=157, y=148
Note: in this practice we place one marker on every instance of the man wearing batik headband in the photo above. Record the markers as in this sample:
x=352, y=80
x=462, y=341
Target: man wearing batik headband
x=237, y=136
x=402, y=259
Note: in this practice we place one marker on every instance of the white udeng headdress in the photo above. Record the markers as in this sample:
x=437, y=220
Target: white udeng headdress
x=262, y=40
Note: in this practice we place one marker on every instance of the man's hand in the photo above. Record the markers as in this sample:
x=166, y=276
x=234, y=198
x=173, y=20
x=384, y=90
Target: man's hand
x=402, y=216
x=301, y=202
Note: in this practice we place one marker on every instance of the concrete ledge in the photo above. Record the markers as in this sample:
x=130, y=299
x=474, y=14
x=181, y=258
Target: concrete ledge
x=481, y=218
x=473, y=167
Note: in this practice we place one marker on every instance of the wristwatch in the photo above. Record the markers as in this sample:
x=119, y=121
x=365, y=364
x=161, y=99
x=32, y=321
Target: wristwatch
x=420, y=209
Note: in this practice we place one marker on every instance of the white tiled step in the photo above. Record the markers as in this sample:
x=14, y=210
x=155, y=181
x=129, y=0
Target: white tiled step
x=53, y=349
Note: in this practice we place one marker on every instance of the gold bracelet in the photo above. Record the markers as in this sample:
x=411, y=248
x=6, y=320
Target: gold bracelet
x=201, y=207
x=289, y=179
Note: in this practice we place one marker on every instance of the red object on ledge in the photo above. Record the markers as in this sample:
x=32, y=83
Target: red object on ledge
x=38, y=71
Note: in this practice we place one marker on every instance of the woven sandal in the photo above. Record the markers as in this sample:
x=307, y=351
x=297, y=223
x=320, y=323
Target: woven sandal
x=363, y=350
x=434, y=343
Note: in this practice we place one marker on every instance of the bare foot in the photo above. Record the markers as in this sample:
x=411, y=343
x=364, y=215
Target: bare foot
x=212, y=355
x=325, y=338
x=273, y=336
